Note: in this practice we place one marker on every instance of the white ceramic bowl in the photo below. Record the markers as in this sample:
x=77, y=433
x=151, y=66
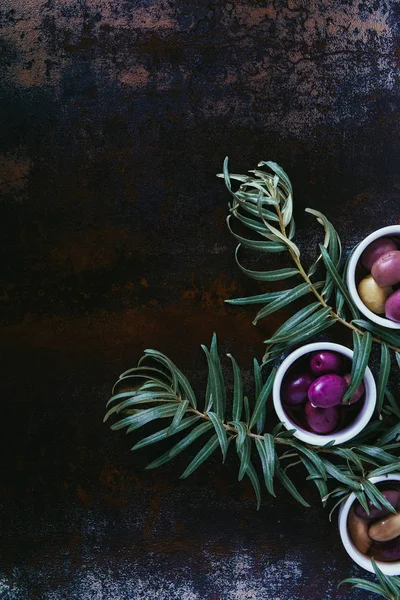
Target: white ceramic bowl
x=351, y=272
x=392, y=568
x=344, y=434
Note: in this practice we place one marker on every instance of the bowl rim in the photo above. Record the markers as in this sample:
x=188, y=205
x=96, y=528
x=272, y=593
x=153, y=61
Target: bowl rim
x=351, y=271
x=316, y=439
x=363, y=561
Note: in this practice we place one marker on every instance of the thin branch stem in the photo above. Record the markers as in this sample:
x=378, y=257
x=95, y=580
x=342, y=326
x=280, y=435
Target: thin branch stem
x=320, y=298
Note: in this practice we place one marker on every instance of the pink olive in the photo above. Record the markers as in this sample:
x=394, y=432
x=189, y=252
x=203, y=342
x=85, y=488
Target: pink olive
x=357, y=394
x=295, y=387
x=375, y=250
x=386, y=551
x=392, y=306
x=325, y=362
x=386, y=270
x=393, y=496
x=321, y=420
x=327, y=390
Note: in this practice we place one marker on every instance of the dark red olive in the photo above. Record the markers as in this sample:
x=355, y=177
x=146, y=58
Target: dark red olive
x=357, y=394
x=327, y=390
x=392, y=306
x=325, y=361
x=386, y=551
x=295, y=388
x=375, y=250
x=321, y=420
x=393, y=496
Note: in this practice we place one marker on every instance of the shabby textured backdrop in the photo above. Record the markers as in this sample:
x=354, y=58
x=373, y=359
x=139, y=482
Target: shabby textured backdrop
x=115, y=117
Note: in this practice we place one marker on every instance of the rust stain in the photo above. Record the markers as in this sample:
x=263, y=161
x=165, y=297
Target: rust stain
x=84, y=497
x=135, y=77
x=14, y=170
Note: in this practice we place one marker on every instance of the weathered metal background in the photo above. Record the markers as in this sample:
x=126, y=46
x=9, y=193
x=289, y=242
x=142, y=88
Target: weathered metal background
x=115, y=117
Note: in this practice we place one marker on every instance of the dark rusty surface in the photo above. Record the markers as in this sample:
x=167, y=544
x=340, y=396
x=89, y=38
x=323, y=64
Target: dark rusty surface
x=115, y=117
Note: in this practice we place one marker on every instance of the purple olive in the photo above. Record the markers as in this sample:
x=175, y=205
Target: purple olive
x=387, y=551
x=357, y=394
x=392, y=307
x=327, y=390
x=295, y=387
x=325, y=362
x=375, y=250
x=386, y=270
x=393, y=496
x=321, y=420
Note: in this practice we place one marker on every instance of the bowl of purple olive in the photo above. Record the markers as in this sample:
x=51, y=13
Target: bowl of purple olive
x=375, y=533
x=373, y=277
x=309, y=389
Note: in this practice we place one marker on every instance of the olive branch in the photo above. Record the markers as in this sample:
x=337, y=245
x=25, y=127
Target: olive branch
x=273, y=230
x=387, y=587
x=157, y=390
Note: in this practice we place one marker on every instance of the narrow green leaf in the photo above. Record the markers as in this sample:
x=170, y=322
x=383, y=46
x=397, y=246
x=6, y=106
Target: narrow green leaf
x=348, y=455
x=376, y=496
x=297, y=319
x=331, y=269
x=252, y=224
x=181, y=445
x=244, y=451
x=385, y=581
x=362, y=498
x=237, y=391
x=180, y=413
x=215, y=357
x=283, y=176
x=269, y=446
x=202, y=456
x=284, y=300
x=364, y=584
x=393, y=403
x=378, y=453
x=392, y=434
x=241, y=432
x=362, y=351
x=259, y=245
x=143, y=373
x=190, y=438
x=258, y=387
x=336, y=473
x=262, y=399
x=315, y=476
x=259, y=299
x=384, y=372
x=135, y=398
x=220, y=431
x=252, y=475
x=288, y=433
x=177, y=376
x=145, y=416
x=163, y=434
x=214, y=383
x=311, y=455
x=385, y=334
x=274, y=231
x=317, y=322
x=246, y=404
x=266, y=467
x=392, y=468
x=266, y=275
x=291, y=488
x=257, y=377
